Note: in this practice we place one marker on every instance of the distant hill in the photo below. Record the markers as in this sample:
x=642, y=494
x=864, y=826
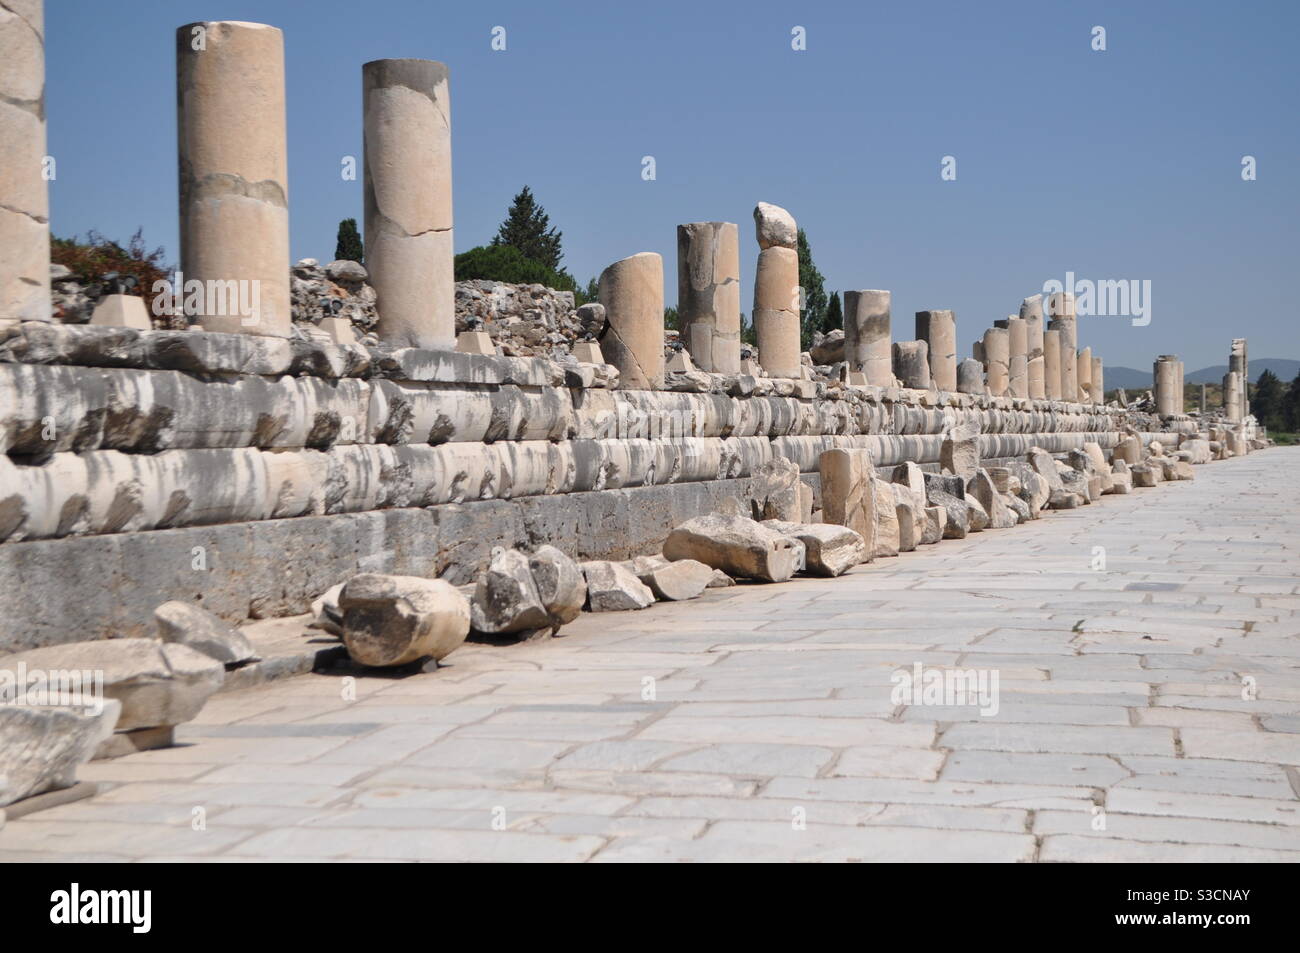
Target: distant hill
x=1285, y=370
x=1128, y=377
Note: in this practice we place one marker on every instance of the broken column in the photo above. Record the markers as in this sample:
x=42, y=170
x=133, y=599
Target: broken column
x=632, y=291
x=24, y=191
x=1061, y=307
x=1031, y=310
x=970, y=377
x=1239, y=357
x=867, y=335
x=1083, y=374
x=1018, y=357
x=406, y=112
x=912, y=364
x=997, y=348
x=1231, y=399
x=1052, y=364
x=234, y=209
x=1165, y=372
x=708, y=294
x=938, y=329
x=776, y=291
x=1098, y=386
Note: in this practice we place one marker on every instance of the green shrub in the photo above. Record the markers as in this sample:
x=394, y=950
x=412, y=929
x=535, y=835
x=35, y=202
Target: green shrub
x=508, y=264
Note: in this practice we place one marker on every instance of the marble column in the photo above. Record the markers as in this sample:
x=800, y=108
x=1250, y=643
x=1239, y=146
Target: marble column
x=1031, y=310
x=1083, y=375
x=234, y=205
x=632, y=291
x=1237, y=365
x=1231, y=398
x=1061, y=307
x=776, y=291
x=997, y=350
x=1018, y=360
x=24, y=190
x=708, y=294
x=406, y=113
x=938, y=329
x=867, y=335
x=912, y=364
x=970, y=376
x=1165, y=372
x=1098, y=382
x=1052, y=364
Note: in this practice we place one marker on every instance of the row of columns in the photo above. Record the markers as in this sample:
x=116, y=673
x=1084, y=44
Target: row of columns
x=234, y=227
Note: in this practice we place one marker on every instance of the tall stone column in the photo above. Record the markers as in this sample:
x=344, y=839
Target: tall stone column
x=632, y=291
x=1061, y=308
x=1018, y=359
x=1180, y=399
x=776, y=291
x=867, y=335
x=938, y=329
x=1052, y=364
x=1031, y=310
x=1203, y=391
x=24, y=191
x=1098, y=382
x=406, y=113
x=234, y=192
x=1231, y=399
x=1083, y=374
x=1237, y=365
x=708, y=294
x=997, y=350
x=1165, y=372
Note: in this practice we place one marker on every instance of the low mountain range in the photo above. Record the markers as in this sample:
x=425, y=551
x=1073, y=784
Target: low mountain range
x=1129, y=377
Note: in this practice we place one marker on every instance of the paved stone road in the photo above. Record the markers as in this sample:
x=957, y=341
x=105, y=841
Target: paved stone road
x=1147, y=710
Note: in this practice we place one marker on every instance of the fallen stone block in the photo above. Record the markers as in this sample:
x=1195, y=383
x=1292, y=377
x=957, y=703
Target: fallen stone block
x=157, y=683
x=560, y=583
x=327, y=616
x=887, y=528
x=830, y=550
x=611, y=587
x=1064, y=500
x=936, y=519
x=960, y=453
x=981, y=487
x=184, y=624
x=720, y=580
x=949, y=492
x=1129, y=449
x=396, y=620
x=41, y=747
x=776, y=490
x=1121, y=483
x=1045, y=466
x=1199, y=450
x=1143, y=474
x=506, y=598
x=848, y=492
x=978, y=516
x=679, y=580
x=738, y=546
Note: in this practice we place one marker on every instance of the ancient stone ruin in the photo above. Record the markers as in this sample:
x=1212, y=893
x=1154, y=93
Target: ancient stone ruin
x=165, y=493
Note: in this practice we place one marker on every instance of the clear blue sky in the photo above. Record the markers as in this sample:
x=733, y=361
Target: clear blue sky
x=1117, y=164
